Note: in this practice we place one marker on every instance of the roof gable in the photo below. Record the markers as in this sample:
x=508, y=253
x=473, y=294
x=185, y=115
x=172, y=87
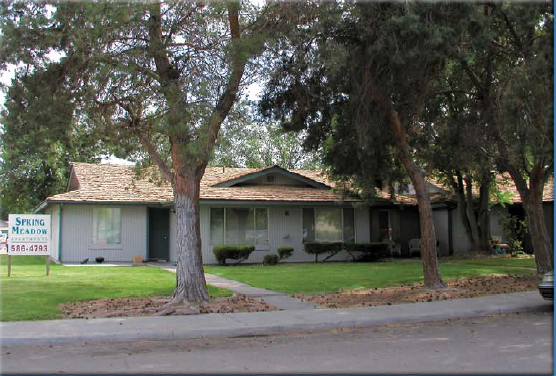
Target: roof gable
x=254, y=177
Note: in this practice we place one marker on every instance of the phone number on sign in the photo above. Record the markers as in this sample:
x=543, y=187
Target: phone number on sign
x=30, y=248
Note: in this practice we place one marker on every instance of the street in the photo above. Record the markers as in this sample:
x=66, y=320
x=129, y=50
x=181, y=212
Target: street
x=516, y=343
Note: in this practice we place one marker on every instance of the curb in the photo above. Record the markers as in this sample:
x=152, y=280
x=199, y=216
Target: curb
x=253, y=330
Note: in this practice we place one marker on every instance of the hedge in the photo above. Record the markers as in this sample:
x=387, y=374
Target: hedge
x=270, y=260
x=285, y=252
x=323, y=248
x=369, y=251
x=234, y=252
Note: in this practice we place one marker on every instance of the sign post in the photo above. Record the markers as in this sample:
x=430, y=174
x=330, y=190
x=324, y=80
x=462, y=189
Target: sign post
x=29, y=235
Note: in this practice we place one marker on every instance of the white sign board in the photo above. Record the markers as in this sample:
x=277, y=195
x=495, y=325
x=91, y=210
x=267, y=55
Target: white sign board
x=3, y=241
x=29, y=235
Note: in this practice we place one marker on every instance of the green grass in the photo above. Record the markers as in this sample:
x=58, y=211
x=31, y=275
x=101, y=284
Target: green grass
x=331, y=277
x=30, y=295
x=528, y=262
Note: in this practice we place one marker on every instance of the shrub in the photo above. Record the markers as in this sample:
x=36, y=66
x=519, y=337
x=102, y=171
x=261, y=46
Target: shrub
x=323, y=248
x=285, y=252
x=234, y=252
x=368, y=251
x=270, y=260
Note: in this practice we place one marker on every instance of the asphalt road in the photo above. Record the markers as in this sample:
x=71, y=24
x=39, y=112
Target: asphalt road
x=516, y=343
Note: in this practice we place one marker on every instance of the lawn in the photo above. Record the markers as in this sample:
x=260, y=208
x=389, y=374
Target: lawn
x=30, y=295
x=331, y=277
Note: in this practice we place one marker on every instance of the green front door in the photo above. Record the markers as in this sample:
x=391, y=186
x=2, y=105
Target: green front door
x=159, y=234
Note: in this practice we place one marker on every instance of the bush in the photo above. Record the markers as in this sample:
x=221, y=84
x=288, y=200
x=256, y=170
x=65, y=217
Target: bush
x=323, y=248
x=270, y=260
x=234, y=252
x=285, y=252
x=368, y=251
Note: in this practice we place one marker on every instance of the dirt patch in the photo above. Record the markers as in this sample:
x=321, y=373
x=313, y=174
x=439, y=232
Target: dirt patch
x=458, y=289
x=126, y=307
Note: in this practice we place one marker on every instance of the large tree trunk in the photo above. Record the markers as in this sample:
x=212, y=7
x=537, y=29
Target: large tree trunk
x=191, y=286
x=483, y=217
x=431, y=269
x=531, y=197
x=539, y=235
x=476, y=221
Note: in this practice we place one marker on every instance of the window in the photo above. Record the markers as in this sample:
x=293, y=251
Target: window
x=107, y=223
x=217, y=226
x=238, y=226
x=329, y=225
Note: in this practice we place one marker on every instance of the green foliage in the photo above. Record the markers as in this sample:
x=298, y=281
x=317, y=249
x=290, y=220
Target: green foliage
x=285, y=252
x=235, y=252
x=515, y=230
x=39, y=139
x=323, y=248
x=248, y=141
x=270, y=260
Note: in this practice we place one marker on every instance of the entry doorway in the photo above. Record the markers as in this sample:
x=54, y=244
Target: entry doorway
x=159, y=234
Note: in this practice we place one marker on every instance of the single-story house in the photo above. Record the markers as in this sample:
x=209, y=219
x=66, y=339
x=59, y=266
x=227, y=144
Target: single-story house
x=108, y=211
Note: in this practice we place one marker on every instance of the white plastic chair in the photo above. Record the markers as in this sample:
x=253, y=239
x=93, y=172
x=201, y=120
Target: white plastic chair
x=393, y=247
x=414, y=246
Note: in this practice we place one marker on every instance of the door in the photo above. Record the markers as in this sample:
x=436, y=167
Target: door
x=159, y=231
x=383, y=225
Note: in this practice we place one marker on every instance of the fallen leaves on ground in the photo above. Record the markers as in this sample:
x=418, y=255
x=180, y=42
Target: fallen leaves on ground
x=457, y=289
x=125, y=307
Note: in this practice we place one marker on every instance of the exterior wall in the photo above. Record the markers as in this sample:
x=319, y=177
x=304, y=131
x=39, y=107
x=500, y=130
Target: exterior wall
x=496, y=214
x=283, y=231
x=440, y=219
x=77, y=230
x=404, y=226
x=461, y=243
x=279, y=179
x=54, y=228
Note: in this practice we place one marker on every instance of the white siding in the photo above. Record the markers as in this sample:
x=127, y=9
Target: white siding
x=496, y=229
x=283, y=231
x=440, y=219
x=54, y=228
x=77, y=231
x=362, y=225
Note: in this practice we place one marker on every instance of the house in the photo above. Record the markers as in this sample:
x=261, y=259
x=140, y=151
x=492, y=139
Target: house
x=108, y=211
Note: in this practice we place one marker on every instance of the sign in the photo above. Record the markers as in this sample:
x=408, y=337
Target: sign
x=29, y=235
x=3, y=241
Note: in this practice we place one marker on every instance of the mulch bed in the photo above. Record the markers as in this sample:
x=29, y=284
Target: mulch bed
x=126, y=307
x=360, y=297
x=458, y=289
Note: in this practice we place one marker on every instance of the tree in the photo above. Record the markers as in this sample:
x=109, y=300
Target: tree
x=35, y=159
x=247, y=141
x=359, y=84
x=509, y=62
x=460, y=148
x=164, y=75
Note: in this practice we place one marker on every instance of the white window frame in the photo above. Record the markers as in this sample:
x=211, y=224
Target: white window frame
x=342, y=215
x=94, y=238
x=254, y=223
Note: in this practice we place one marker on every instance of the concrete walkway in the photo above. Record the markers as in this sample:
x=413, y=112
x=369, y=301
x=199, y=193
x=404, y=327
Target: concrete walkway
x=260, y=323
x=279, y=300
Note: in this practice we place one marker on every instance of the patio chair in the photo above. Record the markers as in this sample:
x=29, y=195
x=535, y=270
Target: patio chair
x=393, y=247
x=414, y=246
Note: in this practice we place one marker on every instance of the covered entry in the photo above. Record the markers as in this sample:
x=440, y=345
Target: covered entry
x=159, y=234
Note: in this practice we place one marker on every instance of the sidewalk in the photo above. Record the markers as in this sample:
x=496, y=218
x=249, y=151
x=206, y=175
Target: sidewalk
x=260, y=323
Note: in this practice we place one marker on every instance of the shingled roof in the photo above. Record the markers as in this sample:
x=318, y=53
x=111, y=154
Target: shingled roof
x=119, y=183
x=105, y=183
